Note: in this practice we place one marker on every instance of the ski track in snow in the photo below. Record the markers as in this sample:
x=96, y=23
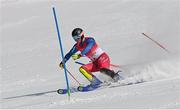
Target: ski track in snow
x=97, y=96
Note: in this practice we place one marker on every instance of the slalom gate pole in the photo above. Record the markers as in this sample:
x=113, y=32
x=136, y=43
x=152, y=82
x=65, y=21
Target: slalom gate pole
x=157, y=43
x=62, y=54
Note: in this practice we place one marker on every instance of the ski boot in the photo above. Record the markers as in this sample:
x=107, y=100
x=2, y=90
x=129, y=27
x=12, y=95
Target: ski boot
x=116, y=77
x=95, y=83
x=112, y=74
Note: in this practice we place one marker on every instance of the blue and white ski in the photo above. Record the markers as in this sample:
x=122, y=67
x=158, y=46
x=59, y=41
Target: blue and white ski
x=82, y=88
x=122, y=82
x=64, y=91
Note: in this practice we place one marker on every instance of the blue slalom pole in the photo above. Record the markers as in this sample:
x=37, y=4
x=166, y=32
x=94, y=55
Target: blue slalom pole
x=61, y=47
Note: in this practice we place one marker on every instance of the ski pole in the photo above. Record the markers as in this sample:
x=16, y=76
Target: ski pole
x=62, y=54
x=79, y=63
x=73, y=76
x=157, y=43
x=117, y=66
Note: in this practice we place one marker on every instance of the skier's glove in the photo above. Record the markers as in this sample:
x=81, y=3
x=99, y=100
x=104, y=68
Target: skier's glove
x=61, y=65
x=76, y=56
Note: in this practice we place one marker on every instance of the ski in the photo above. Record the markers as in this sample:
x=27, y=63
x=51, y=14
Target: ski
x=77, y=89
x=64, y=91
x=83, y=88
x=104, y=85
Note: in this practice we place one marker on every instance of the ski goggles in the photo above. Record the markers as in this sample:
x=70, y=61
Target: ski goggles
x=76, y=38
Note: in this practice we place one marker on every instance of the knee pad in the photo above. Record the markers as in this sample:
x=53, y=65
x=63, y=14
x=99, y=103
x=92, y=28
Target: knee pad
x=87, y=74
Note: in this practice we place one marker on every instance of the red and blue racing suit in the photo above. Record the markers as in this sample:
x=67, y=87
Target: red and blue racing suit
x=90, y=49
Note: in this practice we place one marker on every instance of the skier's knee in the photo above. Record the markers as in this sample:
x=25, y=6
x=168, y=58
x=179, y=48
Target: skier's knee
x=85, y=73
x=81, y=69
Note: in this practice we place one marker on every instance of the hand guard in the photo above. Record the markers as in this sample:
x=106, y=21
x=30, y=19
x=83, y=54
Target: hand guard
x=61, y=65
x=76, y=56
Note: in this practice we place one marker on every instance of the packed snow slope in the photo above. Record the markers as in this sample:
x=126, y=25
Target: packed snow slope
x=30, y=52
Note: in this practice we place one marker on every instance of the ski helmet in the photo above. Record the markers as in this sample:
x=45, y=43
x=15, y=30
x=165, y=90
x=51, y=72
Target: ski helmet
x=77, y=34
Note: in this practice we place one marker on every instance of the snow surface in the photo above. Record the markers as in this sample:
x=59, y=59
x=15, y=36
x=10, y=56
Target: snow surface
x=30, y=52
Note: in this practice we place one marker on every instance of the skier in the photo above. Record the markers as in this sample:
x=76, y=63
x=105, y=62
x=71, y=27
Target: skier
x=100, y=61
